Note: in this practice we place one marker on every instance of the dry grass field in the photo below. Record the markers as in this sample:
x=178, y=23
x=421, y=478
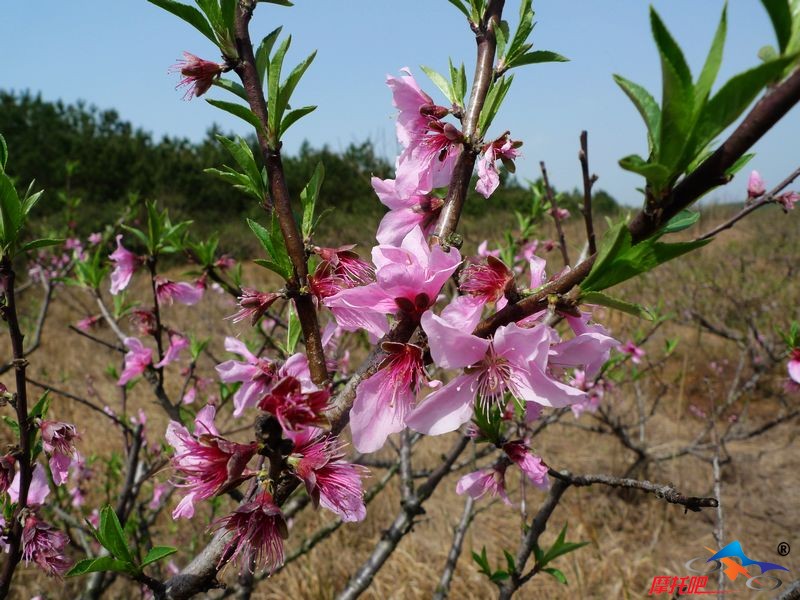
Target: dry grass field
x=745, y=281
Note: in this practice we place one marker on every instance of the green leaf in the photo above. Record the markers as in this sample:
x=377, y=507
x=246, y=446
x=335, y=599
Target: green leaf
x=510, y=561
x=272, y=266
x=295, y=115
x=41, y=243
x=10, y=212
x=238, y=110
x=272, y=242
x=556, y=573
x=780, y=13
x=460, y=6
x=232, y=87
x=263, y=52
x=494, y=99
x=308, y=199
x=228, y=11
x=599, y=298
x=274, y=90
x=243, y=155
x=458, y=79
x=288, y=86
x=683, y=220
x=3, y=153
x=656, y=174
x=739, y=164
x=11, y=423
x=618, y=260
x=39, y=410
x=539, y=56
x=104, y=563
x=677, y=104
x=714, y=59
x=561, y=547
x=440, y=82
x=189, y=14
x=157, y=553
x=647, y=107
x=735, y=96
x=293, y=330
x=112, y=537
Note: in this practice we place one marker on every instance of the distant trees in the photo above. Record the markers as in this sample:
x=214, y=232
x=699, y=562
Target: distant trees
x=80, y=151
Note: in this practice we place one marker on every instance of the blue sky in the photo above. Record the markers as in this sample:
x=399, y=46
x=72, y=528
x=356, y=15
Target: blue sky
x=116, y=55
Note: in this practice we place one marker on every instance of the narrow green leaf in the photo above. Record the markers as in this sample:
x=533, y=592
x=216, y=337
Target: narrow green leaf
x=557, y=574
x=10, y=211
x=735, y=96
x=494, y=99
x=112, y=536
x=232, y=87
x=288, y=86
x=683, y=220
x=655, y=174
x=647, y=107
x=739, y=164
x=228, y=11
x=238, y=110
x=212, y=12
x=41, y=243
x=510, y=561
x=274, y=90
x=3, y=153
x=714, y=59
x=308, y=199
x=189, y=14
x=157, y=553
x=104, y=563
x=538, y=56
x=440, y=82
x=39, y=410
x=295, y=115
x=11, y=423
x=272, y=266
x=780, y=13
x=293, y=330
x=601, y=299
x=677, y=104
x=501, y=39
x=263, y=52
x=243, y=156
x=460, y=6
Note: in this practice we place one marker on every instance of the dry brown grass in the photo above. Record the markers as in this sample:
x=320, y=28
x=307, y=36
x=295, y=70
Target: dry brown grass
x=631, y=539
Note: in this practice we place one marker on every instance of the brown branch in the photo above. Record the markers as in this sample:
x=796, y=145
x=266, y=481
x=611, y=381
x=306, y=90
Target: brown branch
x=279, y=193
x=459, y=532
x=465, y=163
x=551, y=197
x=79, y=400
x=37, y=332
x=23, y=454
x=664, y=492
x=588, y=182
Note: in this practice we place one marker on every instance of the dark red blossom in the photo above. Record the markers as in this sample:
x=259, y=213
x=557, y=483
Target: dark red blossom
x=293, y=407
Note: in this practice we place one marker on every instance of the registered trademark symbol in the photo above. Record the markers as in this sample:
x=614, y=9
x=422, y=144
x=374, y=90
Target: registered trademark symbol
x=784, y=548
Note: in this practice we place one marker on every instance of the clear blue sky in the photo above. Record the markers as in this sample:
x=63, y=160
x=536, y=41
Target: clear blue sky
x=115, y=54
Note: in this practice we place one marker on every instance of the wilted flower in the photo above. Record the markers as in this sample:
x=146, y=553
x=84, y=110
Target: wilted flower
x=504, y=149
x=198, y=74
x=125, y=263
x=177, y=343
x=137, y=359
x=179, y=291
x=293, y=407
x=206, y=463
x=258, y=532
x=635, y=352
x=794, y=365
x=258, y=375
x=530, y=464
x=788, y=200
x=253, y=304
x=330, y=481
x=478, y=483
x=44, y=545
x=86, y=324
x=7, y=471
x=58, y=440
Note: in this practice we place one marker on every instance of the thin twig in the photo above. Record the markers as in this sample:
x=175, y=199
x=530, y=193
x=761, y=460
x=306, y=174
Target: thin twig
x=459, y=532
x=79, y=400
x=551, y=197
x=37, y=331
x=588, y=182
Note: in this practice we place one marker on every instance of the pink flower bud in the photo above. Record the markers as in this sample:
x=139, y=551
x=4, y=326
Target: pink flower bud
x=755, y=185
